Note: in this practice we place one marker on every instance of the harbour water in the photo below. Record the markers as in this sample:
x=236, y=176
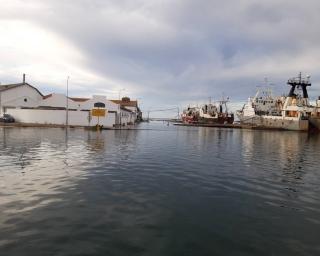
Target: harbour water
x=160, y=190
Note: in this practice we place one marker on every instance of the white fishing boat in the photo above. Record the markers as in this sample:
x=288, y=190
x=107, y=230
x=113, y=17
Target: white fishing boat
x=315, y=115
x=262, y=104
x=289, y=113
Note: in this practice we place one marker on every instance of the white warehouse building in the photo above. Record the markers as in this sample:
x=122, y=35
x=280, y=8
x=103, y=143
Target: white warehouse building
x=18, y=95
x=28, y=105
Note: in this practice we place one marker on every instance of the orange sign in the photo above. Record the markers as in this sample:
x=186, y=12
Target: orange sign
x=98, y=112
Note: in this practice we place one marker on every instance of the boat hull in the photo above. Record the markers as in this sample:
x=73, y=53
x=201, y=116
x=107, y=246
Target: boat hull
x=315, y=122
x=218, y=120
x=276, y=122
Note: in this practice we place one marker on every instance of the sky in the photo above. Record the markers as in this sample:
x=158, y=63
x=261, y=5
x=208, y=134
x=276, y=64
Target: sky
x=165, y=53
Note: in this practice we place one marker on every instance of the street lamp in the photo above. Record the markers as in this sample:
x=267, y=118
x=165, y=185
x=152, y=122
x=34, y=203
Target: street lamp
x=138, y=111
x=123, y=89
x=120, y=106
x=67, y=104
x=0, y=105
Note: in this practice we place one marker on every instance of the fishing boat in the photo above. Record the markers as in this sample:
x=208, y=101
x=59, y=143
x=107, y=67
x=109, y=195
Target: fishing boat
x=289, y=112
x=315, y=115
x=210, y=113
x=190, y=115
x=262, y=104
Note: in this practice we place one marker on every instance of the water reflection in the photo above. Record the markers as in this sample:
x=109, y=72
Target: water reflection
x=283, y=163
x=286, y=150
x=137, y=191
x=96, y=141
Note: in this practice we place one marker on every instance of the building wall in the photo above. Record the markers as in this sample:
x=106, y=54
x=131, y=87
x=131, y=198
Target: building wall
x=108, y=121
x=21, y=96
x=125, y=117
x=89, y=104
x=40, y=116
x=133, y=115
x=25, y=96
x=59, y=101
x=134, y=109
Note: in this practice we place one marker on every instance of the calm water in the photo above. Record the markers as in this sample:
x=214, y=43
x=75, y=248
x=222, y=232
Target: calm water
x=159, y=191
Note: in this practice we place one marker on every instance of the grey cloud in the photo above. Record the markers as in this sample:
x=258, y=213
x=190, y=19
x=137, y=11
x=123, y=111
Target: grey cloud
x=175, y=51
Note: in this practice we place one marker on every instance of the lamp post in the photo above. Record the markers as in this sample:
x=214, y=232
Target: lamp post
x=67, y=104
x=0, y=105
x=138, y=111
x=120, y=106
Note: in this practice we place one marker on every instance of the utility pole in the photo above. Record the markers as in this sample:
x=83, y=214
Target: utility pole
x=67, y=104
x=120, y=124
x=0, y=105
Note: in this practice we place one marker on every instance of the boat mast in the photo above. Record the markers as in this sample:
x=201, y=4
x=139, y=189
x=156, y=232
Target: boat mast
x=299, y=82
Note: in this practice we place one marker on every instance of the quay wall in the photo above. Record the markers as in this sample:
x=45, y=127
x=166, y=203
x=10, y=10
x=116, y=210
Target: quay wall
x=58, y=117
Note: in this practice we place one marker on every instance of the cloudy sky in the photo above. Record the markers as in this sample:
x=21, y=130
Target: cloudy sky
x=166, y=53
